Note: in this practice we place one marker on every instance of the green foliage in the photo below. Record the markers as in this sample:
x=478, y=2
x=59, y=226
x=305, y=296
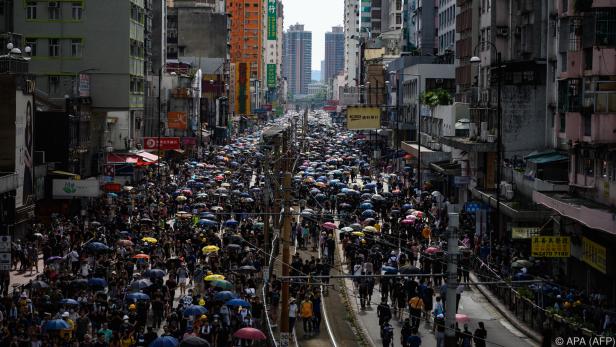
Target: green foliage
x=436, y=97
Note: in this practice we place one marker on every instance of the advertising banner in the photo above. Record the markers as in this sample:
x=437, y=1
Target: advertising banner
x=594, y=255
x=166, y=143
x=521, y=233
x=272, y=25
x=176, y=120
x=66, y=189
x=271, y=75
x=363, y=118
x=551, y=246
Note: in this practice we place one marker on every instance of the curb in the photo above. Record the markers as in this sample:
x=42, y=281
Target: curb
x=523, y=328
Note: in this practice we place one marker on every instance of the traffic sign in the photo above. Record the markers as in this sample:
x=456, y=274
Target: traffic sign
x=5, y=243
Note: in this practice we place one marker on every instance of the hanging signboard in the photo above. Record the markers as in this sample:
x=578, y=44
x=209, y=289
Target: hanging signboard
x=66, y=189
x=272, y=24
x=363, y=118
x=594, y=255
x=551, y=246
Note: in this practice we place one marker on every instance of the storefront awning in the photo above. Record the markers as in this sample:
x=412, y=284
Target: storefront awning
x=147, y=157
x=122, y=158
x=428, y=156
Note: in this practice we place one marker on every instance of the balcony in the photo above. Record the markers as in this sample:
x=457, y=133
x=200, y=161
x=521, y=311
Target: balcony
x=428, y=156
x=519, y=209
x=587, y=212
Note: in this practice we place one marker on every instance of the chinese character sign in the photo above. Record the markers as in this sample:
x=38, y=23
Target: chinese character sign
x=363, y=118
x=271, y=75
x=272, y=25
x=594, y=255
x=551, y=246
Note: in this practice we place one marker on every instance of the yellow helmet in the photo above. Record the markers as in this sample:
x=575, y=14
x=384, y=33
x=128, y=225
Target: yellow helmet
x=132, y=307
x=201, y=302
x=203, y=317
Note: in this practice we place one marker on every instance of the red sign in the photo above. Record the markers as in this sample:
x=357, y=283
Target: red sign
x=166, y=143
x=112, y=187
x=330, y=108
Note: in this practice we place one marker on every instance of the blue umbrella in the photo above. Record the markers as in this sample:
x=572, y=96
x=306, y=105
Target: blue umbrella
x=56, y=324
x=366, y=206
x=368, y=213
x=320, y=196
x=224, y=296
x=97, y=282
x=69, y=302
x=156, y=273
x=207, y=215
x=238, y=302
x=194, y=310
x=390, y=269
x=97, y=247
x=112, y=195
x=207, y=222
x=231, y=223
x=165, y=341
x=138, y=296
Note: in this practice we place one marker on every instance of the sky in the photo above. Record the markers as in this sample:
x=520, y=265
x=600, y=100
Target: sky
x=318, y=16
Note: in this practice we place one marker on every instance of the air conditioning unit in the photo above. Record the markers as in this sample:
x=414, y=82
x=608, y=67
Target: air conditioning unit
x=506, y=190
x=491, y=138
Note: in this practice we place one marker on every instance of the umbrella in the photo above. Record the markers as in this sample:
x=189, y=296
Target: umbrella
x=97, y=247
x=39, y=284
x=408, y=221
x=165, y=341
x=462, y=318
x=97, y=282
x=69, y=302
x=389, y=269
x=521, y=263
x=81, y=282
x=156, y=273
x=432, y=250
x=358, y=233
x=231, y=223
x=138, y=296
x=207, y=222
x=250, y=334
x=234, y=246
x=237, y=302
x=409, y=269
x=56, y=324
x=126, y=243
x=140, y=284
x=329, y=226
x=368, y=213
x=180, y=198
x=222, y=284
x=54, y=258
x=369, y=229
x=210, y=249
x=141, y=256
x=214, y=278
x=194, y=310
x=224, y=296
x=149, y=240
x=356, y=226
x=248, y=268
x=194, y=341
x=347, y=229
x=366, y=206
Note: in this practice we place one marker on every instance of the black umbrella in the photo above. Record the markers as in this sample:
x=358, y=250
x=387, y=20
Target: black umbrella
x=82, y=282
x=194, y=341
x=248, y=268
x=39, y=284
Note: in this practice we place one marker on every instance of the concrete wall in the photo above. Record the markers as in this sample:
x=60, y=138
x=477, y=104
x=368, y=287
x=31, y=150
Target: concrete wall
x=202, y=33
x=523, y=119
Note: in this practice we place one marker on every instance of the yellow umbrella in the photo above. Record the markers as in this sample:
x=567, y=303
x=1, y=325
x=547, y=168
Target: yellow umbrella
x=370, y=229
x=149, y=240
x=210, y=249
x=214, y=277
x=358, y=233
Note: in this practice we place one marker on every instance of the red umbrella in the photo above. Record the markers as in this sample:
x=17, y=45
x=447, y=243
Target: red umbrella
x=219, y=177
x=408, y=221
x=250, y=334
x=329, y=226
x=432, y=250
x=141, y=256
x=462, y=318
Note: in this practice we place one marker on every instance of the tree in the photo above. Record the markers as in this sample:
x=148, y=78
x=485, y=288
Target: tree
x=435, y=97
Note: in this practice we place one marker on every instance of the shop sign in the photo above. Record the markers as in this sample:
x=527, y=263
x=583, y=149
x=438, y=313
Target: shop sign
x=594, y=255
x=551, y=246
x=524, y=232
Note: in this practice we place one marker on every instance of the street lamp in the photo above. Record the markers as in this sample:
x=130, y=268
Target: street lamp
x=476, y=60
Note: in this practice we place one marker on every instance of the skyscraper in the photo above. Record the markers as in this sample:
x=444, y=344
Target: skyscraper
x=298, y=58
x=334, y=53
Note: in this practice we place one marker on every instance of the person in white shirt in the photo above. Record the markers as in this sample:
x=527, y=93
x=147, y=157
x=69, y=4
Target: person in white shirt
x=293, y=309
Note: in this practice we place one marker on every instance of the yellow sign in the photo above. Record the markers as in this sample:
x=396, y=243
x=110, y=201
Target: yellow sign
x=594, y=255
x=551, y=246
x=363, y=118
x=524, y=233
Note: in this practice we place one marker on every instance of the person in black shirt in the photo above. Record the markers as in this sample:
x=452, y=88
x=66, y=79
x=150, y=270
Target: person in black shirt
x=480, y=336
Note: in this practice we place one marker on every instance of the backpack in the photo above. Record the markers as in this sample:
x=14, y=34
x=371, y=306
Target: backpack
x=387, y=332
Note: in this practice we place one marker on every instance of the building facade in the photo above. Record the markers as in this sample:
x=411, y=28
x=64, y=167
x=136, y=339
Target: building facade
x=246, y=37
x=351, y=43
x=446, y=25
x=334, y=54
x=298, y=59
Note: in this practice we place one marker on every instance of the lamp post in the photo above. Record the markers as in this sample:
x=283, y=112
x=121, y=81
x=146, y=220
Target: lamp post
x=477, y=60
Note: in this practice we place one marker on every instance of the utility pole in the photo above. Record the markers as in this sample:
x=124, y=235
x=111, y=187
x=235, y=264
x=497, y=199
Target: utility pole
x=452, y=280
x=285, y=329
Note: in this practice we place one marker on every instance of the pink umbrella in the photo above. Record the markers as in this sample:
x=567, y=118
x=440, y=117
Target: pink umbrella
x=408, y=221
x=432, y=250
x=462, y=318
x=250, y=334
x=329, y=226
x=410, y=216
x=418, y=214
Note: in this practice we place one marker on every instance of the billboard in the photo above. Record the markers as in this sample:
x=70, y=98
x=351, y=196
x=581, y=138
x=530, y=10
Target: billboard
x=66, y=189
x=594, y=255
x=271, y=75
x=551, y=246
x=176, y=120
x=166, y=143
x=242, y=89
x=24, y=142
x=363, y=118
x=272, y=25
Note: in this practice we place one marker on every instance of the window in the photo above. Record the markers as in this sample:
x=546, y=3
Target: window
x=606, y=27
x=31, y=10
x=587, y=120
x=588, y=58
x=575, y=27
x=32, y=44
x=53, y=10
x=563, y=122
x=565, y=6
x=54, y=47
x=589, y=167
x=563, y=62
x=76, y=48
x=77, y=11
x=54, y=85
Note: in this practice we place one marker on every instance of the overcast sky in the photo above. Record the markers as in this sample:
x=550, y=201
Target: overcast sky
x=317, y=16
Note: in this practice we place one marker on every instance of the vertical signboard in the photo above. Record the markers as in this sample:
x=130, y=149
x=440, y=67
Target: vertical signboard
x=271, y=75
x=272, y=26
x=84, y=85
x=242, y=89
x=594, y=255
x=24, y=141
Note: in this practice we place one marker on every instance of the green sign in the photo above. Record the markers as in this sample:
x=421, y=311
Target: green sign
x=272, y=25
x=271, y=75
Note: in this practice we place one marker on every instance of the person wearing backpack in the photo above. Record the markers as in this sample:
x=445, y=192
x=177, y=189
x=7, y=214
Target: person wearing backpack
x=387, y=334
x=416, y=305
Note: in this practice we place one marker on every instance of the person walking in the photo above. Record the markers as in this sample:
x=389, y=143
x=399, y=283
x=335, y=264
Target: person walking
x=439, y=328
x=292, y=314
x=306, y=312
x=383, y=311
x=416, y=306
x=387, y=334
x=480, y=335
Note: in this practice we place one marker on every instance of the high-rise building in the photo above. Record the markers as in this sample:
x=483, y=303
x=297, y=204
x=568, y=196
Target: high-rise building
x=424, y=28
x=298, y=59
x=375, y=17
x=447, y=12
x=272, y=57
x=246, y=34
x=365, y=17
x=351, y=43
x=106, y=48
x=334, y=53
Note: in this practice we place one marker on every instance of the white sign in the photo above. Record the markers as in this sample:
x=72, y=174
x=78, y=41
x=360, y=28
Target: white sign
x=5, y=261
x=284, y=339
x=63, y=189
x=5, y=243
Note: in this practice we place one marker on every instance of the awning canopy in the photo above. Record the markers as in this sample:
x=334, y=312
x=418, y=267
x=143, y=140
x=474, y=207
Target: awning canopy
x=545, y=157
x=147, y=157
x=427, y=155
x=122, y=158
